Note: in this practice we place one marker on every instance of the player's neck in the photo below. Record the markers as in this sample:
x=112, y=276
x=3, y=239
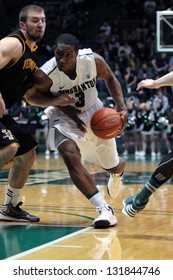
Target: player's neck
x=31, y=43
x=72, y=75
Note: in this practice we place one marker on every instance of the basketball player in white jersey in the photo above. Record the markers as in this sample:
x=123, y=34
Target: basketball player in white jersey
x=74, y=72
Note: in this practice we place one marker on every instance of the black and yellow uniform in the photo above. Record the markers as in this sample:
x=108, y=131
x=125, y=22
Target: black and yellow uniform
x=15, y=79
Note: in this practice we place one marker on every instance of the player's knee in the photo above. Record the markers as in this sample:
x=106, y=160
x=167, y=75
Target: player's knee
x=8, y=153
x=69, y=152
x=71, y=157
x=12, y=149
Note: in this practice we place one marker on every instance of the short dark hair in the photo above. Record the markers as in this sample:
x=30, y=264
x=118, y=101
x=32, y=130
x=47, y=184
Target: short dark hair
x=67, y=39
x=30, y=8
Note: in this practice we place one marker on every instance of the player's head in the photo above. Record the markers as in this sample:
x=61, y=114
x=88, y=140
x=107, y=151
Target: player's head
x=66, y=50
x=32, y=21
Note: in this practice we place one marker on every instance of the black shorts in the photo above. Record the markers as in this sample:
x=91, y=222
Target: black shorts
x=11, y=132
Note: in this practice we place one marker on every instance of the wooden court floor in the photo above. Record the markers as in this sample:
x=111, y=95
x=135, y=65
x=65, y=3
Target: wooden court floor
x=65, y=231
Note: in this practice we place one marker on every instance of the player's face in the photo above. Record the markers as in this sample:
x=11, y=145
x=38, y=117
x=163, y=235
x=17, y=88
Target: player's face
x=66, y=58
x=35, y=26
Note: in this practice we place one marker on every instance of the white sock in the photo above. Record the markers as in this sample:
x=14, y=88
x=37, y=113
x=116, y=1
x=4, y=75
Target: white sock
x=11, y=195
x=98, y=200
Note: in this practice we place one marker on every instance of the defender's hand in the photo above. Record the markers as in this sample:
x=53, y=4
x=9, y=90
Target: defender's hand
x=148, y=83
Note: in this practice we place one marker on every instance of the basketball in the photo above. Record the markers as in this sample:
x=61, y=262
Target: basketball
x=106, y=123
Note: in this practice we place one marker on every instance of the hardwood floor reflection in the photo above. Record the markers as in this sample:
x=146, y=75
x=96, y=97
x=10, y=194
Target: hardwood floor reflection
x=65, y=230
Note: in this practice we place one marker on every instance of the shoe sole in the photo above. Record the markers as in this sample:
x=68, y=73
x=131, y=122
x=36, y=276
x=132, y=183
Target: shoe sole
x=104, y=224
x=11, y=219
x=109, y=193
x=113, y=196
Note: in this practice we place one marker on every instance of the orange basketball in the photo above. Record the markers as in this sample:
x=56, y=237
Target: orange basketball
x=106, y=123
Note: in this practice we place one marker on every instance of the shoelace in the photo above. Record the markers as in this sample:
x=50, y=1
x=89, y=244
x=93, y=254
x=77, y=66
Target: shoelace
x=100, y=208
x=19, y=210
x=116, y=175
x=104, y=207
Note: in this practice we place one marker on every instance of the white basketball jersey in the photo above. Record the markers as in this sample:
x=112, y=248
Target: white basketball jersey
x=83, y=88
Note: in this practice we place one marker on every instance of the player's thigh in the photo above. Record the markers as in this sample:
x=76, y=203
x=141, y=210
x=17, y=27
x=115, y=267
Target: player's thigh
x=25, y=140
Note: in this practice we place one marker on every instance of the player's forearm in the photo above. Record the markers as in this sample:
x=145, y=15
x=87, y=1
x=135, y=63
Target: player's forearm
x=35, y=98
x=166, y=80
x=38, y=99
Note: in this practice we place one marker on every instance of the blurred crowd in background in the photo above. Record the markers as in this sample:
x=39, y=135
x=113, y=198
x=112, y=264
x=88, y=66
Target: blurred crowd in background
x=124, y=33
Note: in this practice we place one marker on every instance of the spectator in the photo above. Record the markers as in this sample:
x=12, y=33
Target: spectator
x=113, y=47
x=126, y=48
x=148, y=128
x=116, y=28
x=130, y=79
x=131, y=135
x=160, y=63
x=106, y=28
x=161, y=124
x=149, y=8
x=170, y=64
x=122, y=62
x=143, y=72
x=120, y=78
x=142, y=30
x=161, y=101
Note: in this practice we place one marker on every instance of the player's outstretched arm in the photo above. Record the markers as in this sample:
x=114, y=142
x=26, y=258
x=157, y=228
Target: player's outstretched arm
x=166, y=80
x=148, y=83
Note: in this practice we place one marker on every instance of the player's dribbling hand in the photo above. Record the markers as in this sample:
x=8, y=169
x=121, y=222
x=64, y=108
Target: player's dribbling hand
x=123, y=115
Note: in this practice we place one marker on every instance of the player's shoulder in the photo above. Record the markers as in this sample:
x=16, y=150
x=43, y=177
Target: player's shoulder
x=49, y=65
x=11, y=48
x=85, y=51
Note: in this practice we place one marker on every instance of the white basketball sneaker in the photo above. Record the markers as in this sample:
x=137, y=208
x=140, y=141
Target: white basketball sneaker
x=106, y=218
x=114, y=185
